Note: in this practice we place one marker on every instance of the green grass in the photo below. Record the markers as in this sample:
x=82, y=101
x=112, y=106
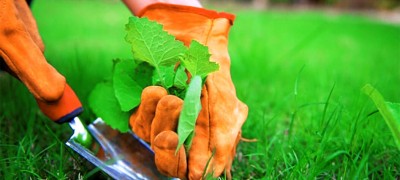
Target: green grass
x=300, y=73
x=306, y=70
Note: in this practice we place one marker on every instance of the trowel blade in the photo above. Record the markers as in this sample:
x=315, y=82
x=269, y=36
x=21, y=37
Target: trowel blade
x=120, y=155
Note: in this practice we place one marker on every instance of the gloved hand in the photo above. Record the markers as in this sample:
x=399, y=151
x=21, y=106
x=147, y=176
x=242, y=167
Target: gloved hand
x=218, y=127
x=21, y=49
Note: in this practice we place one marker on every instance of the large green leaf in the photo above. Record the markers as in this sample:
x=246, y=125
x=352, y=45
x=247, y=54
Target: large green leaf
x=104, y=104
x=389, y=111
x=142, y=74
x=151, y=44
x=197, y=60
x=190, y=111
x=126, y=89
x=165, y=74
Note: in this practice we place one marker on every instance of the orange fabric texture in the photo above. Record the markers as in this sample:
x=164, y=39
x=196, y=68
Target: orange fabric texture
x=141, y=121
x=21, y=48
x=218, y=127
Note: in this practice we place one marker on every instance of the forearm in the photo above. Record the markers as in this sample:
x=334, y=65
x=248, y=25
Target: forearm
x=136, y=5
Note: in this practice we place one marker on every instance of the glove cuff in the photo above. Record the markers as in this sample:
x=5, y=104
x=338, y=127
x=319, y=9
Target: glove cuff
x=63, y=109
x=211, y=14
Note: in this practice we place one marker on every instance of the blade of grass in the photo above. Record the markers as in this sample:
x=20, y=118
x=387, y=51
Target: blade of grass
x=389, y=111
x=327, y=104
x=208, y=163
x=361, y=166
x=295, y=101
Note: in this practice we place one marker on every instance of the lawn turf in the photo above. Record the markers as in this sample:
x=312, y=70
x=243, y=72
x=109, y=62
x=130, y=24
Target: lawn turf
x=300, y=73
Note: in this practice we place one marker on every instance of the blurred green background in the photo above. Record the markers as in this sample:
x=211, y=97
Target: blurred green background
x=298, y=65
x=341, y=4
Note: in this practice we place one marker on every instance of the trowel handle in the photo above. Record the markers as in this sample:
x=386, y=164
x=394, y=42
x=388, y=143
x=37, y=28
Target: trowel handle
x=64, y=109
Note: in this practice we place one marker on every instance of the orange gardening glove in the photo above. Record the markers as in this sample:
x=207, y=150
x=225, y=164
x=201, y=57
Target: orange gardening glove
x=21, y=51
x=218, y=127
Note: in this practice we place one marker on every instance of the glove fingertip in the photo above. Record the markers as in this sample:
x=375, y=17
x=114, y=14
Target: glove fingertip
x=142, y=118
x=167, y=162
x=156, y=92
x=167, y=115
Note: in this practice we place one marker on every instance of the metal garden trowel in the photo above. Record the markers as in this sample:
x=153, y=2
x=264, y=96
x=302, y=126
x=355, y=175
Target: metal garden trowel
x=120, y=155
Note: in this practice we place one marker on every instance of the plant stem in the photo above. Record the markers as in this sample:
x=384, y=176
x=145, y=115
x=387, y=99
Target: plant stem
x=162, y=79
